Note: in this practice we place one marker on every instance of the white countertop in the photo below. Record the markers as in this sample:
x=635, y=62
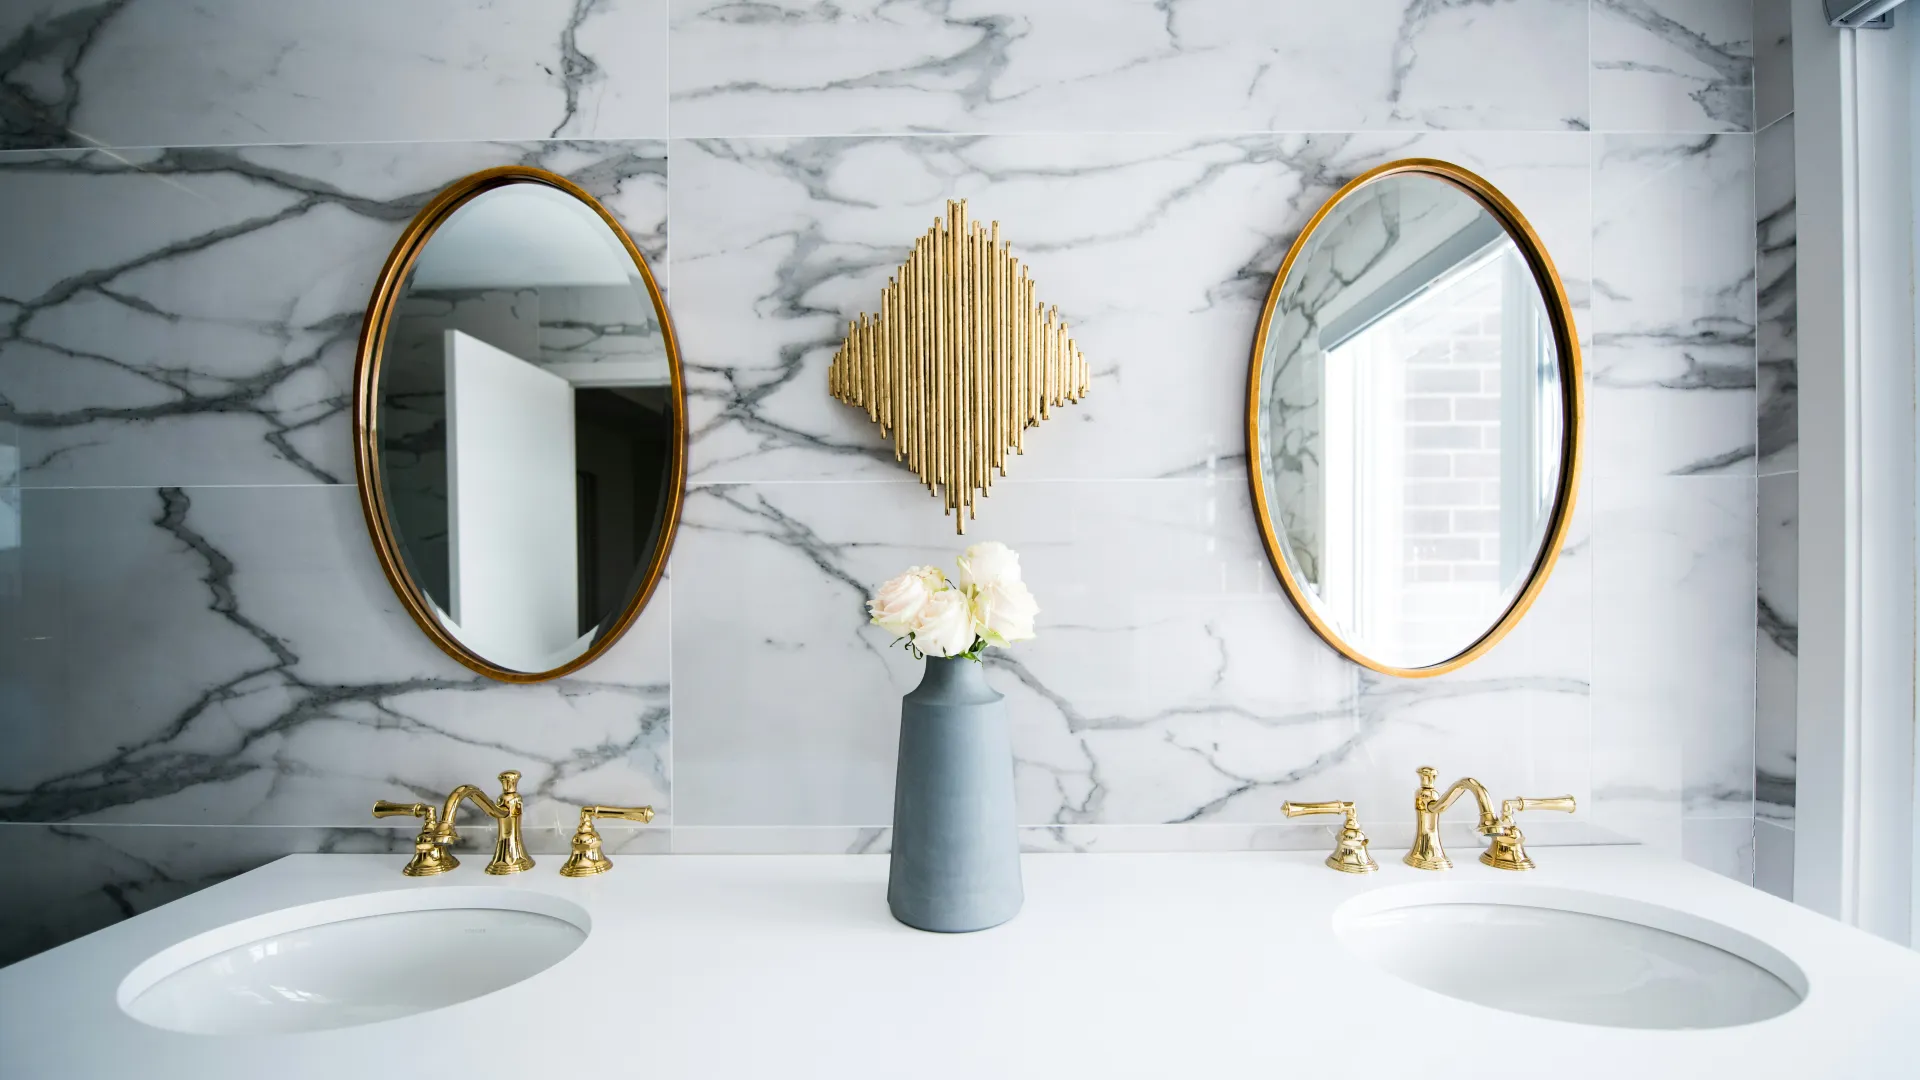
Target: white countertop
x=1204, y=965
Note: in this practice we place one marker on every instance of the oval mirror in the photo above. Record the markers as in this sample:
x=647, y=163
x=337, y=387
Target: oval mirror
x=520, y=426
x=1413, y=418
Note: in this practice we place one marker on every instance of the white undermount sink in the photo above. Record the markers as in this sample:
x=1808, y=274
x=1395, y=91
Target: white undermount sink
x=351, y=961
x=1570, y=955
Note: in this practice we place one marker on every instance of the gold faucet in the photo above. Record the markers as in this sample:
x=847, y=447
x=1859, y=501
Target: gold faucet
x=587, y=858
x=430, y=856
x=1507, y=852
x=433, y=848
x=1428, y=805
x=1350, y=849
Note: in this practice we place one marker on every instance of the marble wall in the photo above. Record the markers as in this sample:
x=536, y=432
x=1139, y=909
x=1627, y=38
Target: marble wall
x=1778, y=600
x=201, y=666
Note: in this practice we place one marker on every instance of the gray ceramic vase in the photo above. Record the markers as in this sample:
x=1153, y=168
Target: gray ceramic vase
x=956, y=847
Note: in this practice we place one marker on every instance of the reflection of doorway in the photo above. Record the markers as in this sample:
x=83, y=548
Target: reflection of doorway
x=510, y=504
x=623, y=452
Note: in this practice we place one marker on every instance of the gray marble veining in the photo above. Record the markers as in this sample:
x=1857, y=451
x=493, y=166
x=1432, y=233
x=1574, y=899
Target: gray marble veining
x=804, y=67
x=1772, y=61
x=201, y=327
x=1778, y=602
x=264, y=674
x=1159, y=250
x=1779, y=408
x=1673, y=360
x=1672, y=65
x=77, y=73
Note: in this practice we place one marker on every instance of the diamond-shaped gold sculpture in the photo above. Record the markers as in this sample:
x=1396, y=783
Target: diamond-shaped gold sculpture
x=960, y=361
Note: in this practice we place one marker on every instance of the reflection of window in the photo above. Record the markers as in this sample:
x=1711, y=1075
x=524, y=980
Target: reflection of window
x=1438, y=472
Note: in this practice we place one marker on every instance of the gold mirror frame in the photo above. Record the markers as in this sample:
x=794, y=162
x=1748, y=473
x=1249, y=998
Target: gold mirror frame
x=1566, y=341
x=366, y=403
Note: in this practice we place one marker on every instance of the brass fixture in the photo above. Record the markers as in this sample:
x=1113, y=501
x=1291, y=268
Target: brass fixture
x=1507, y=852
x=1350, y=850
x=587, y=858
x=1428, y=805
x=961, y=360
x=509, y=852
x=433, y=848
x=430, y=856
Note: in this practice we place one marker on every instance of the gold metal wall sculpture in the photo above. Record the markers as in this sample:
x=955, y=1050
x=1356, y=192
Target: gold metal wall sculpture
x=960, y=361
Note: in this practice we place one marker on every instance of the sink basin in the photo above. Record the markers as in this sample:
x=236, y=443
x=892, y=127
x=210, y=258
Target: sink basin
x=1564, y=954
x=351, y=961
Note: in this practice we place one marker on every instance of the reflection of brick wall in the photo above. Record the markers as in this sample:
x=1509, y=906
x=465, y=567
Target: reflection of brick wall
x=1451, y=524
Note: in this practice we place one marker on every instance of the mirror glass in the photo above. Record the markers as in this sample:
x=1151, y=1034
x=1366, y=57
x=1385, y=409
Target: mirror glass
x=527, y=427
x=1410, y=420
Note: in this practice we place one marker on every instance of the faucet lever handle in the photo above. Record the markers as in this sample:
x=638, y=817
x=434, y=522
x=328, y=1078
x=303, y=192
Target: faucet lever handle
x=641, y=814
x=389, y=808
x=430, y=854
x=1510, y=807
x=1506, y=848
x=587, y=858
x=1350, y=854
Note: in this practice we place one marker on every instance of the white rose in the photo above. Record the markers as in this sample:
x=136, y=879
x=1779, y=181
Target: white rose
x=898, y=603
x=945, y=626
x=1005, y=611
x=988, y=564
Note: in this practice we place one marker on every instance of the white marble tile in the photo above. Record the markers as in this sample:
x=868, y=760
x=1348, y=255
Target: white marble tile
x=1772, y=61
x=1776, y=722
x=1194, y=694
x=192, y=316
x=233, y=656
x=802, y=67
x=1517, y=718
x=1158, y=249
x=1724, y=845
x=1673, y=663
x=1672, y=65
x=226, y=72
x=1777, y=296
x=1773, y=858
x=85, y=877
x=1171, y=682
x=1673, y=357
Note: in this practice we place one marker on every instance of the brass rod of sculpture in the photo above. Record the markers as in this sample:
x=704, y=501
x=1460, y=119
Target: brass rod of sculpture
x=917, y=372
x=1001, y=368
x=977, y=371
x=938, y=381
x=957, y=376
x=960, y=359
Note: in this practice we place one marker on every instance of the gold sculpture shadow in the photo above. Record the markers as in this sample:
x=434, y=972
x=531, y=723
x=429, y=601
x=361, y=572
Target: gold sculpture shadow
x=960, y=361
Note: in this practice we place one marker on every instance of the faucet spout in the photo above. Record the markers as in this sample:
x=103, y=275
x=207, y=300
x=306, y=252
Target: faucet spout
x=1428, y=804
x=479, y=798
x=509, y=850
x=1488, y=818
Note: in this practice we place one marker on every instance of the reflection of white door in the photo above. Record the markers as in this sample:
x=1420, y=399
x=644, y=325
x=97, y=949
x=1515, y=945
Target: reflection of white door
x=510, y=505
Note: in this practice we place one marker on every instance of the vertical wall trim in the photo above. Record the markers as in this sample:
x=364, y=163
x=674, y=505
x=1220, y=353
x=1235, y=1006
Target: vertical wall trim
x=1825, y=848
x=1854, y=840
x=1886, y=445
